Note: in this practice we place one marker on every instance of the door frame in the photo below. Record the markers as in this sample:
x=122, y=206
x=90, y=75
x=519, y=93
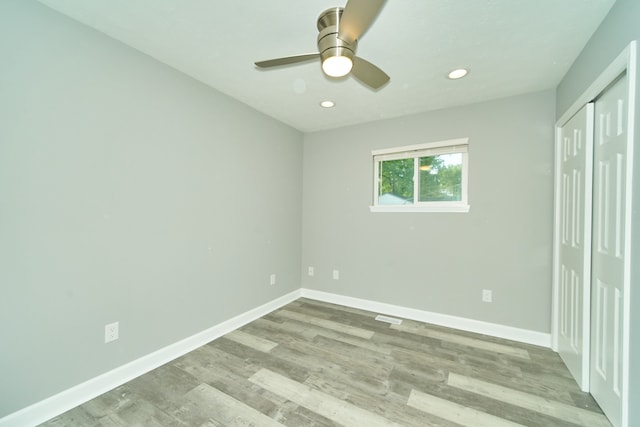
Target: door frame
x=624, y=62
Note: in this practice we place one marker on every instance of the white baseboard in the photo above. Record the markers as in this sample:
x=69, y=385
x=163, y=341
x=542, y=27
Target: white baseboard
x=55, y=405
x=470, y=325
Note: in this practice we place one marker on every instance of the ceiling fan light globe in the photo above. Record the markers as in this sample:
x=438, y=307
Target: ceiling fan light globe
x=337, y=66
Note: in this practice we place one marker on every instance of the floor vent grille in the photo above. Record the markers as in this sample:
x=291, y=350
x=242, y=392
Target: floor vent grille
x=388, y=319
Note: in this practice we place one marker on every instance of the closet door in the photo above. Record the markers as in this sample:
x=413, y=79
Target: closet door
x=576, y=159
x=610, y=257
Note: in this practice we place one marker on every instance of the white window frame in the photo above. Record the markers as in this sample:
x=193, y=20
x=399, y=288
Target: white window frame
x=459, y=145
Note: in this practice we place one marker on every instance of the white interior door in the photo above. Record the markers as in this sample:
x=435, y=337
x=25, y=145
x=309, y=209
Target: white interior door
x=609, y=249
x=574, y=260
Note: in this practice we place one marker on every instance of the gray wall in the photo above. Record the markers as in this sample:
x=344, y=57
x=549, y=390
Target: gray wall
x=440, y=262
x=620, y=27
x=130, y=193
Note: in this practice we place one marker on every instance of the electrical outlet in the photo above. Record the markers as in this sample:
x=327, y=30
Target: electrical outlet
x=487, y=295
x=310, y=271
x=111, y=332
x=336, y=275
x=272, y=279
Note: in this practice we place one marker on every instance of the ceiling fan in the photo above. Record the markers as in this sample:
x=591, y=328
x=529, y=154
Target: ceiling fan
x=339, y=30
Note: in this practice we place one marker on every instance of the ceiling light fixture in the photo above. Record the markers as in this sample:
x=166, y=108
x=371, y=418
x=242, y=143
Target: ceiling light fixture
x=337, y=66
x=458, y=73
x=327, y=104
x=338, y=42
x=336, y=54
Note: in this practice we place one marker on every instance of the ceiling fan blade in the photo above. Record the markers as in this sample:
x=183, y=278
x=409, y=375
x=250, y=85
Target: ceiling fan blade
x=287, y=60
x=356, y=18
x=368, y=73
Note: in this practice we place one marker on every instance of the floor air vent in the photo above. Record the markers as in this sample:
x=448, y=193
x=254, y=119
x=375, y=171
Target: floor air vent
x=388, y=319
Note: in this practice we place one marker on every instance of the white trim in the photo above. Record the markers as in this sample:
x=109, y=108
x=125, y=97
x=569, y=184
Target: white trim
x=417, y=147
x=617, y=67
x=626, y=309
x=587, y=223
x=470, y=325
x=464, y=208
x=555, y=280
x=57, y=404
x=423, y=152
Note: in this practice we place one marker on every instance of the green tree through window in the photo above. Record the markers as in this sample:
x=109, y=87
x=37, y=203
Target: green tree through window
x=441, y=178
x=396, y=180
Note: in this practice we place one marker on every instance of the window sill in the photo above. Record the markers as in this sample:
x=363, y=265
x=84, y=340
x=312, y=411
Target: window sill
x=408, y=209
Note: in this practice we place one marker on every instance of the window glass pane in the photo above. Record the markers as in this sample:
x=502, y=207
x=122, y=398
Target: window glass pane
x=441, y=178
x=396, y=182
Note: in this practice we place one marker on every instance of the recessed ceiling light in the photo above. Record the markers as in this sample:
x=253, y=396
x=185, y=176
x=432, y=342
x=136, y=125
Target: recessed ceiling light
x=327, y=104
x=458, y=73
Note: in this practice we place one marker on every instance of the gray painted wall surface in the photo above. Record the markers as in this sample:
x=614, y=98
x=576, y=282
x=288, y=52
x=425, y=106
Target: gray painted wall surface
x=440, y=262
x=130, y=193
x=618, y=29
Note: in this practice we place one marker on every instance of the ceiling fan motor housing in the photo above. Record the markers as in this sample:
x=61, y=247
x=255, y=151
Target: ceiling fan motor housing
x=329, y=44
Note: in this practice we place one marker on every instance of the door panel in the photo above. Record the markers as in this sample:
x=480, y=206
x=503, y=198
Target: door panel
x=608, y=250
x=576, y=141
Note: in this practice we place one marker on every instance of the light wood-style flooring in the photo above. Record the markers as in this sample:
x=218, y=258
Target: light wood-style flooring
x=312, y=363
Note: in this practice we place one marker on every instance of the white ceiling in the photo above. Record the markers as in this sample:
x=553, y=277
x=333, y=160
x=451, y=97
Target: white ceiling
x=510, y=46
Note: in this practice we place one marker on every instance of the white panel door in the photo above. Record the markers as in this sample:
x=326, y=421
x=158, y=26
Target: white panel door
x=576, y=159
x=609, y=248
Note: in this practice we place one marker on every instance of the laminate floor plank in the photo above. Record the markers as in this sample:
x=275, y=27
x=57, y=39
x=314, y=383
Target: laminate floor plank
x=355, y=316
x=233, y=378
x=335, y=409
x=415, y=359
x=241, y=390
x=420, y=329
x=415, y=363
x=358, y=319
x=268, y=327
x=322, y=356
x=383, y=402
x=282, y=333
x=328, y=324
x=252, y=341
x=361, y=375
x=109, y=403
x=140, y=413
x=528, y=401
x=452, y=411
x=541, y=376
x=352, y=353
x=160, y=386
x=292, y=367
x=480, y=403
x=75, y=417
x=316, y=364
x=210, y=403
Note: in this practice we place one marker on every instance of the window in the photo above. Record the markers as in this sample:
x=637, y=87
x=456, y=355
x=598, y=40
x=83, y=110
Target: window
x=422, y=178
